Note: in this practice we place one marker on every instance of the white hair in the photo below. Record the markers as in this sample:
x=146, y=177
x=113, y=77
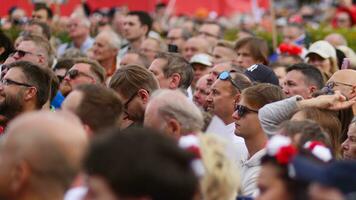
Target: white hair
x=115, y=41
x=174, y=104
x=83, y=19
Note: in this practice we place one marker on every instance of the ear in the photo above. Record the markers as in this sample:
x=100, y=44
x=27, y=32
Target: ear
x=175, y=79
x=237, y=98
x=173, y=128
x=145, y=28
x=20, y=176
x=312, y=89
x=41, y=59
x=144, y=95
x=352, y=92
x=30, y=93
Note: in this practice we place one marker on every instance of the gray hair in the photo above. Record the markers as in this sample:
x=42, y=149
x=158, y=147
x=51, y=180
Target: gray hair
x=115, y=41
x=173, y=104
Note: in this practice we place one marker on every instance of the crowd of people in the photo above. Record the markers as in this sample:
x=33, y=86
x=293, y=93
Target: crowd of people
x=157, y=106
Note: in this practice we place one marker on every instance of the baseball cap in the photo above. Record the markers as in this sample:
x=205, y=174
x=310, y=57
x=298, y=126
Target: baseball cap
x=201, y=58
x=323, y=49
x=337, y=174
x=262, y=74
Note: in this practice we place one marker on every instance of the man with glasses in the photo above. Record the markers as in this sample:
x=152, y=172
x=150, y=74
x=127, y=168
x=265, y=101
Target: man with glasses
x=210, y=31
x=25, y=87
x=85, y=71
x=247, y=126
x=35, y=49
x=135, y=85
x=345, y=82
x=224, y=94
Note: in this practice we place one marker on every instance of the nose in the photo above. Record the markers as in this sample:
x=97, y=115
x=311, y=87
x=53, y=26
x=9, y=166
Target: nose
x=345, y=145
x=235, y=115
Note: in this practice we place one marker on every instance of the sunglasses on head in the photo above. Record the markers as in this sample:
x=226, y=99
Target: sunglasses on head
x=225, y=75
x=243, y=110
x=74, y=73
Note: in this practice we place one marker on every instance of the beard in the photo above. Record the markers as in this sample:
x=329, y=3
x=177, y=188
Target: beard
x=11, y=106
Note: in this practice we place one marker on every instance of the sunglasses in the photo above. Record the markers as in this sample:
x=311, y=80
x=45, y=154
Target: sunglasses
x=12, y=82
x=21, y=53
x=243, y=110
x=74, y=73
x=225, y=75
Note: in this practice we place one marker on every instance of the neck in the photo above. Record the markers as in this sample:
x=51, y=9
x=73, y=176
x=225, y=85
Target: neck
x=41, y=195
x=227, y=119
x=109, y=66
x=256, y=143
x=78, y=41
x=135, y=44
x=354, y=109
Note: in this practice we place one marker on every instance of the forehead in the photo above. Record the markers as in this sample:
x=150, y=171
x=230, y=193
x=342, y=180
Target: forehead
x=15, y=73
x=209, y=27
x=222, y=49
x=346, y=76
x=202, y=82
x=175, y=32
x=290, y=30
x=220, y=68
x=295, y=76
x=133, y=19
x=72, y=101
x=40, y=12
x=27, y=45
x=81, y=67
x=221, y=85
x=149, y=43
x=102, y=38
x=244, y=48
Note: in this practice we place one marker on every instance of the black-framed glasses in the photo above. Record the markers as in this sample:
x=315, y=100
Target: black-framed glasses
x=126, y=104
x=74, y=73
x=243, y=110
x=225, y=75
x=6, y=81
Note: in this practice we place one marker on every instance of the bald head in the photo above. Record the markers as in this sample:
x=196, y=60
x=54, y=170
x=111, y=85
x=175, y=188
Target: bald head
x=194, y=46
x=47, y=149
x=345, y=81
x=336, y=39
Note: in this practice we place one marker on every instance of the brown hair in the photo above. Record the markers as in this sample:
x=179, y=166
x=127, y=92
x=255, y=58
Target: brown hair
x=177, y=64
x=262, y=94
x=329, y=123
x=226, y=44
x=95, y=67
x=100, y=107
x=130, y=78
x=258, y=48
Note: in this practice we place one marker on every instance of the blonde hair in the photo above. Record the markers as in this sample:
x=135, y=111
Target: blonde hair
x=221, y=179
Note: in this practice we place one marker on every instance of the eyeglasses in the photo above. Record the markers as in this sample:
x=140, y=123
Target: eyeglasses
x=74, y=73
x=225, y=75
x=21, y=53
x=126, y=104
x=6, y=81
x=243, y=110
x=332, y=84
x=206, y=34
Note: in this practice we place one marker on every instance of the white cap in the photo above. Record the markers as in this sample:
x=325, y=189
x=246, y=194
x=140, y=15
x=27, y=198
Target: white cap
x=201, y=58
x=323, y=49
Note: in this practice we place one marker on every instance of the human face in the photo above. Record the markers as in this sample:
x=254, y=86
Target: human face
x=199, y=71
x=102, y=49
x=247, y=125
x=349, y=145
x=221, y=101
x=201, y=92
x=244, y=58
x=12, y=90
x=295, y=84
x=175, y=37
x=322, y=64
x=344, y=82
x=215, y=71
x=133, y=106
x=343, y=20
x=77, y=28
x=290, y=34
x=85, y=76
x=150, y=47
x=99, y=189
x=40, y=15
x=192, y=47
x=210, y=32
x=156, y=68
x=129, y=58
x=223, y=54
x=28, y=51
x=270, y=184
x=133, y=29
